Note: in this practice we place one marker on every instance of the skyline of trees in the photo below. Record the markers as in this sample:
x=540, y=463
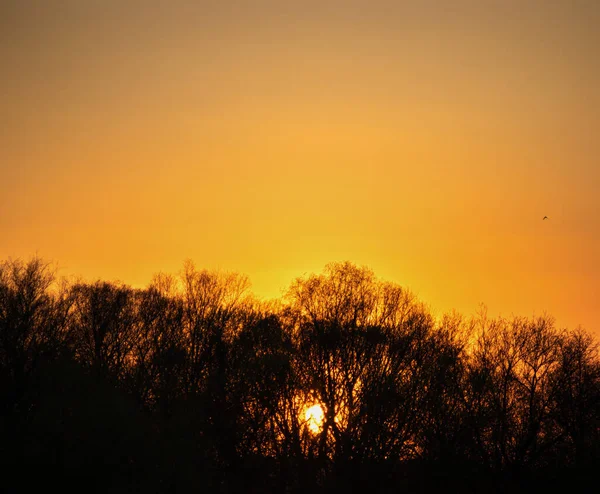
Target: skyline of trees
x=193, y=383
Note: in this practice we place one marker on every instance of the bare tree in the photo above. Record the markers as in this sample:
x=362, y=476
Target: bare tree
x=509, y=394
x=103, y=320
x=366, y=353
x=27, y=329
x=575, y=403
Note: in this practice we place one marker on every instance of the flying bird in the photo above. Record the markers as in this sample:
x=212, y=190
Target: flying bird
x=545, y=218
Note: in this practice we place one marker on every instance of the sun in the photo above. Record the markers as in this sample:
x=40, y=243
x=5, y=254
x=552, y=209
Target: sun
x=314, y=418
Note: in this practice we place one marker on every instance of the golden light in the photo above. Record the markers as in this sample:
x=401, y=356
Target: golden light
x=314, y=418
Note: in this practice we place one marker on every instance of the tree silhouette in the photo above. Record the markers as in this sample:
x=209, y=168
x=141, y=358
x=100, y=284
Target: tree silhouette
x=575, y=405
x=27, y=332
x=193, y=384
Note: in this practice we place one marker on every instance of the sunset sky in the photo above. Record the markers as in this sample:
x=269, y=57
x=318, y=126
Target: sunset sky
x=426, y=140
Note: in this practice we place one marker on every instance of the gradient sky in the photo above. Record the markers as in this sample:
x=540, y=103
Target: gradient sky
x=424, y=139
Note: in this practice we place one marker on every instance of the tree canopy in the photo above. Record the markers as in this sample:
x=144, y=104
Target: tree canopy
x=194, y=384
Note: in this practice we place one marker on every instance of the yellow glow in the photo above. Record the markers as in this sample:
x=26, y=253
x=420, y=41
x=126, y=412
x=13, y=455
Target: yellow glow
x=313, y=416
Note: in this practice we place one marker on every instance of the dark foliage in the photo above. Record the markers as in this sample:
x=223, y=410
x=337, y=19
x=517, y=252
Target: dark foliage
x=192, y=385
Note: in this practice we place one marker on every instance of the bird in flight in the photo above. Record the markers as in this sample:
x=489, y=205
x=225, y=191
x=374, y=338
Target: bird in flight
x=545, y=218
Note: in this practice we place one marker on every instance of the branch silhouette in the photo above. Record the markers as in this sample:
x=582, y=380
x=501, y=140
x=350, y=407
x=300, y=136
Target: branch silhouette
x=194, y=384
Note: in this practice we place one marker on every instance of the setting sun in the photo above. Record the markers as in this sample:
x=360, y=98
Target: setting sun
x=313, y=416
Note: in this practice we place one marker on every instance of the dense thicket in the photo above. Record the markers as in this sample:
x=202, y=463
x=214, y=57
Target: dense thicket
x=193, y=385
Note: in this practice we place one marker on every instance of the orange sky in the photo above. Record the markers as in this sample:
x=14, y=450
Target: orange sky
x=424, y=139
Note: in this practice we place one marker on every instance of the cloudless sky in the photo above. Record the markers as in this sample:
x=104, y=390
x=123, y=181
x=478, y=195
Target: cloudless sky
x=424, y=139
